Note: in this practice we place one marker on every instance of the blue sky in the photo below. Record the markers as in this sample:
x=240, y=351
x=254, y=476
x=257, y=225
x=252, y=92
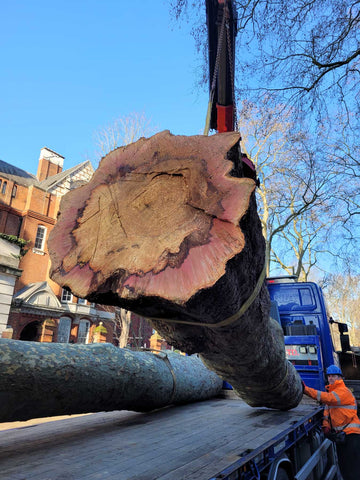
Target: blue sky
x=70, y=68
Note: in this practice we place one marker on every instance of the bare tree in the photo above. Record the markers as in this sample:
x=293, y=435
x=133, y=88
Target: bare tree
x=123, y=321
x=343, y=300
x=296, y=195
x=307, y=50
x=137, y=334
x=121, y=324
x=304, y=47
x=122, y=131
x=346, y=153
x=129, y=329
x=299, y=248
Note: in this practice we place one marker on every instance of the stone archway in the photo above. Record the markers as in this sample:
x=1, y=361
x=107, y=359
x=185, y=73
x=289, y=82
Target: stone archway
x=31, y=332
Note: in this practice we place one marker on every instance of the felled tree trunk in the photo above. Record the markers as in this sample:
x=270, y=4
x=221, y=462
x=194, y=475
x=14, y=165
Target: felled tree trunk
x=47, y=379
x=164, y=229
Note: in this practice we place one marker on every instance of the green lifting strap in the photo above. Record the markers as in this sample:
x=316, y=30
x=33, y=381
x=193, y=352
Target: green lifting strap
x=228, y=321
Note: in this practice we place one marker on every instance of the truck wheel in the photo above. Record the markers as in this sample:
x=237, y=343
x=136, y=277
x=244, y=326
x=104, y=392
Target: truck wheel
x=281, y=475
x=280, y=469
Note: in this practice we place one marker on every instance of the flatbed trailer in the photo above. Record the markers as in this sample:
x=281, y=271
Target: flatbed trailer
x=221, y=438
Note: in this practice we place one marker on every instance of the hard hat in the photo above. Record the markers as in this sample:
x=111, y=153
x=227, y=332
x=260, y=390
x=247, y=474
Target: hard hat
x=333, y=370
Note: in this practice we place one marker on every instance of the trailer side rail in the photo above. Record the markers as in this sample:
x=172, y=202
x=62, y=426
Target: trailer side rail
x=254, y=462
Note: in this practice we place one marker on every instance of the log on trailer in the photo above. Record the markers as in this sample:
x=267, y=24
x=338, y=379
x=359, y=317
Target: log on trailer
x=43, y=379
x=167, y=230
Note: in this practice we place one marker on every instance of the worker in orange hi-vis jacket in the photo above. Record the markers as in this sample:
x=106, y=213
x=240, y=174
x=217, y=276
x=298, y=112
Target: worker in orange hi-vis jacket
x=340, y=422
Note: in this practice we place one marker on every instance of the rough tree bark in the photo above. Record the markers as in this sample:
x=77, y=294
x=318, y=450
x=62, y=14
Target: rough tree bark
x=46, y=379
x=165, y=230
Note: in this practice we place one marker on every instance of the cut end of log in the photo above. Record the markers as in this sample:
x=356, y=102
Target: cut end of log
x=159, y=218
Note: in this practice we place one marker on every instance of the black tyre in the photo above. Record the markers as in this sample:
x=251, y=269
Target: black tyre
x=281, y=475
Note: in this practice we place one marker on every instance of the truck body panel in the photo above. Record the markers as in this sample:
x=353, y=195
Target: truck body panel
x=303, y=317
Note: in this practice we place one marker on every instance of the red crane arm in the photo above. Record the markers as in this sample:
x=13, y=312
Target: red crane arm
x=221, y=21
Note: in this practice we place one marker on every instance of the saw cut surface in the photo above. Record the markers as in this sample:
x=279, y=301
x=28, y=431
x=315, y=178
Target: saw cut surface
x=159, y=218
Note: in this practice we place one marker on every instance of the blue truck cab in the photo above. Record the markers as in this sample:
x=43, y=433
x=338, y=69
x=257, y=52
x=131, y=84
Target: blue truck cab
x=300, y=309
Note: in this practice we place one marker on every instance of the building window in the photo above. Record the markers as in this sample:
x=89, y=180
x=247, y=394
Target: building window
x=40, y=237
x=66, y=296
x=64, y=330
x=14, y=190
x=3, y=188
x=83, y=333
x=81, y=301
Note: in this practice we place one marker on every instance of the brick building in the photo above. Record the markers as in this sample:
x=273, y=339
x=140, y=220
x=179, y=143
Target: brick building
x=9, y=272
x=41, y=310
x=139, y=333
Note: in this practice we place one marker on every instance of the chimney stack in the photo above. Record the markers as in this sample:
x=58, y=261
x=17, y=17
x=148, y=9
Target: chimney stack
x=50, y=163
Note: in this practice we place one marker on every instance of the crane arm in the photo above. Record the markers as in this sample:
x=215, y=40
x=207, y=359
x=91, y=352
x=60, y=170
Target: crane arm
x=221, y=26
x=221, y=19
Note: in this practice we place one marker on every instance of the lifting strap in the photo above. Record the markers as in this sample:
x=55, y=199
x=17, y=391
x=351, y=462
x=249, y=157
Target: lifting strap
x=228, y=321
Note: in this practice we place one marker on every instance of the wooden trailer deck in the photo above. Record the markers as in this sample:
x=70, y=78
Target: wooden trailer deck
x=193, y=441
